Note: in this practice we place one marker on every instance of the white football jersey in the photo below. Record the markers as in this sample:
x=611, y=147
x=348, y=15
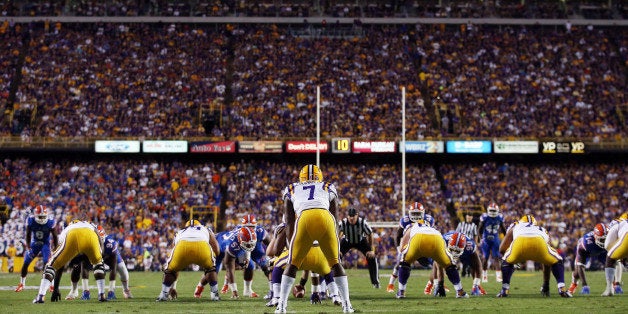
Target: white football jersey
x=308, y=195
x=423, y=229
x=192, y=234
x=524, y=229
x=616, y=232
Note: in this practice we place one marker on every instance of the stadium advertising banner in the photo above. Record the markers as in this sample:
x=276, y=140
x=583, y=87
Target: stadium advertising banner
x=165, y=146
x=117, y=146
x=260, y=147
x=213, y=147
x=474, y=147
x=374, y=147
x=305, y=147
x=563, y=147
x=423, y=146
x=516, y=147
x=341, y=145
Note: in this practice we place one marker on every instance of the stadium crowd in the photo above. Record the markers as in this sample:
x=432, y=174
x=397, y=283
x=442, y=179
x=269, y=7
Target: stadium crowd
x=159, y=81
x=334, y=9
x=143, y=202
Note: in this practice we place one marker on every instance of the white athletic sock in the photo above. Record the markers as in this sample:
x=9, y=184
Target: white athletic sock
x=343, y=289
x=44, y=286
x=85, y=283
x=286, y=286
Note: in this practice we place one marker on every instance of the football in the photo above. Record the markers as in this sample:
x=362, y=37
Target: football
x=298, y=291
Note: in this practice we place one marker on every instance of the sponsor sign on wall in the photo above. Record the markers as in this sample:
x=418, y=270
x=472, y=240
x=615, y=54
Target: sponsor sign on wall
x=260, y=147
x=423, y=147
x=305, y=147
x=213, y=147
x=516, y=147
x=165, y=146
x=117, y=146
x=374, y=147
x=474, y=147
x=563, y=147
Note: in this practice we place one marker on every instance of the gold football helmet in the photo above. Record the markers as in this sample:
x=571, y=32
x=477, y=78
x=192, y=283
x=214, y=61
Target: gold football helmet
x=310, y=173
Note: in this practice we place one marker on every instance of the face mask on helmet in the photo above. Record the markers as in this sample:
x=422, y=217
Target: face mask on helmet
x=456, y=244
x=247, y=239
x=599, y=233
x=248, y=221
x=492, y=210
x=310, y=173
x=41, y=214
x=416, y=212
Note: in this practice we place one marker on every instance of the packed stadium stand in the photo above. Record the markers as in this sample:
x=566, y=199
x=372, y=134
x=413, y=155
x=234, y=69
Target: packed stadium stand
x=64, y=84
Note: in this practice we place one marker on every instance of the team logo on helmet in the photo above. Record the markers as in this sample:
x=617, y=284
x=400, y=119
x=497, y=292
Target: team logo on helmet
x=599, y=233
x=416, y=212
x=247, y=239
x=492, y=210
x=310, y=173
x=456, y=244
x=248, y=220
x=41, y=214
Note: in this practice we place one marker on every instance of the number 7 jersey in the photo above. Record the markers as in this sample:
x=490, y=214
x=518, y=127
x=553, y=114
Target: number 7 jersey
x=308, y=195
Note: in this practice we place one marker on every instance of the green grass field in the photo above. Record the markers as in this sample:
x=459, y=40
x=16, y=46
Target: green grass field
x=524, y=297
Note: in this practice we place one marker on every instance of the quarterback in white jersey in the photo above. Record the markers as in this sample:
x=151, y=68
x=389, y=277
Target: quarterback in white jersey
x=616, y=245
x=310, y=207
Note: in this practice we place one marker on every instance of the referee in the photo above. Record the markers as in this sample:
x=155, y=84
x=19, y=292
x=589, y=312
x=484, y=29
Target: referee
x=355, y=233
x=469, y=229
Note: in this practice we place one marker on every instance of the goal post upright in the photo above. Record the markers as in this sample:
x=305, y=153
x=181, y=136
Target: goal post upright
x=402, y=148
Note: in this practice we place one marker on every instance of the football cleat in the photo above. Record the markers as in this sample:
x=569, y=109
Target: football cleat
x=85, y=295
x=280, y=309
x=484, y=277
x=224, y=289
x=127, y=294
x=234, y=294
x=401, y=294
x=161, y=299
x=390, y=288
x=72, y=295
x=269, y=295
x=323, y=295
x=545, y=291
x=585, y=290
x=564, y=293
x=503, y=293
x=315, y=298
x=572, y=287
x=608, y=292
x=347, y=309
x=111, y=295
x=617, y=288
x=462, y=294
x=215, y=296
x=251, y=294
x=198, y=291
x=336, y=299
x=482, y=291
x=102, y=297
x=39, y=299
x=19, y=288
x=273, y=302
x=428, y=288
x=376, y=286
x=52, y=288
x=475, y=290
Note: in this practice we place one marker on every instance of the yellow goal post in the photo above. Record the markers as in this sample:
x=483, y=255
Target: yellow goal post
x=207, y=214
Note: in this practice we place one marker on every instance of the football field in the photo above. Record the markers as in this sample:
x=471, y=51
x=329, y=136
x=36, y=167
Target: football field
x=145, y=286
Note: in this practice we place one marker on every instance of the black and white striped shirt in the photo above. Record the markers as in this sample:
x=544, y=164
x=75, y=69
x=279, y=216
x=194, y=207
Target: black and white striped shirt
x=468, y=229
x=355, y=233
